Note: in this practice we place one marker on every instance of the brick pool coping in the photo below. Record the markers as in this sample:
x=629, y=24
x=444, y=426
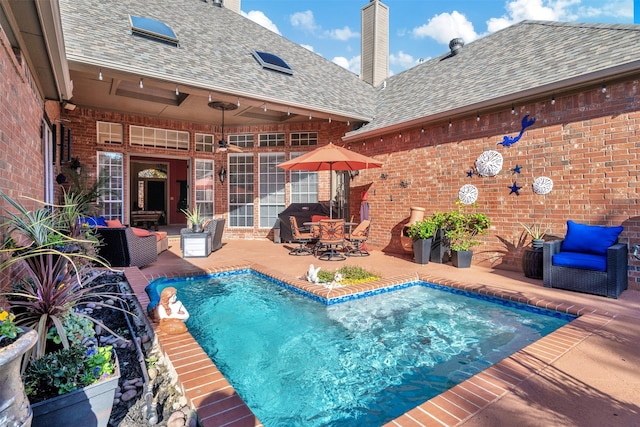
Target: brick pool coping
x=218, y=404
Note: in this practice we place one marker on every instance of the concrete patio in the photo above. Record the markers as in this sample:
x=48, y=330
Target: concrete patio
x=595, y=383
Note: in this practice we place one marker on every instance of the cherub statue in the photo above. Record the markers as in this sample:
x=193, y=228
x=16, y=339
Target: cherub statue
x=312, y=274
x=171, y=312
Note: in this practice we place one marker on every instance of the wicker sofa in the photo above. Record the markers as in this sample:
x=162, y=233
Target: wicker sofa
x=122, y=248
x=589, y=259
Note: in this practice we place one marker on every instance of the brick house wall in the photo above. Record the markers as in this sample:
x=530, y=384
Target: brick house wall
x=587, y=142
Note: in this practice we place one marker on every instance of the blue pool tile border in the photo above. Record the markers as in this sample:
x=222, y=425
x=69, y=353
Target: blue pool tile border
x=164, y=281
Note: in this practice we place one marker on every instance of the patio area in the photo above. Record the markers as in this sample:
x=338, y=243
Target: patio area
x=583, y=374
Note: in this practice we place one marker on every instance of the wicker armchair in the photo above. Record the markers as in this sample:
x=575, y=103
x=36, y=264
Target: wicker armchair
x=598, y=274
x=120, y=247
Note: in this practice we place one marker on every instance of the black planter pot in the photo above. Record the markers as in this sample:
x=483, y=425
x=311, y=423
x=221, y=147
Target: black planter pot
x=422, y=251
x=440, y=248
x=461, y=259
x=532, y=263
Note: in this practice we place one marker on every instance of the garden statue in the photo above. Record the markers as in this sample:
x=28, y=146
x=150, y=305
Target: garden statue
x=171, y=312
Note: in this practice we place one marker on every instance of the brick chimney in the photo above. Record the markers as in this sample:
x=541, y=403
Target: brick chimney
x=374, y=59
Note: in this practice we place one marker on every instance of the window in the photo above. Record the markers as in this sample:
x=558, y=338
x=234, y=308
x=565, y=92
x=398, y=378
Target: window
x=272, y=194
x=159, y=138
x=244, y=140
x=304, y=185
x=272, y=139
x=204, y=142
x=110, y=170
x=152, y=29
x=49, y=160
x=205, y=178
x=241, y=190
x=273, y=62
x=109, y=133
x=304, y=139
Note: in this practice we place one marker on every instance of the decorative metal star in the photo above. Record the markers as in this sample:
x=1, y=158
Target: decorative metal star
x=515, y=189
x=517, y=169
x=470, y=173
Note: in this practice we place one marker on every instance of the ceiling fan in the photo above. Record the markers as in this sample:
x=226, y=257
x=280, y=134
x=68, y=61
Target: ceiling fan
x=223, y=145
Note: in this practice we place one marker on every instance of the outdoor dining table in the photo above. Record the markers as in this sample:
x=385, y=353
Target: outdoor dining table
x=330, y=252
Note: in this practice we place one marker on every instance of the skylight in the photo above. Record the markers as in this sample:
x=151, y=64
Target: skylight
x=152, y=29
x=272, y=62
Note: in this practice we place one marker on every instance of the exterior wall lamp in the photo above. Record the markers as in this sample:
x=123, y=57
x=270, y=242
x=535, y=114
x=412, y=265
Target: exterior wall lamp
x=222, y=174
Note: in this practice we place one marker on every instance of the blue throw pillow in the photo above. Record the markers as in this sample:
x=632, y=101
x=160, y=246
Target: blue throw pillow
x=591, y=239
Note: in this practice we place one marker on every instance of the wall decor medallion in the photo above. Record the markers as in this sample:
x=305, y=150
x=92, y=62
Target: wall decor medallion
x=542, y=185
x=468, y=194
x=489, y=163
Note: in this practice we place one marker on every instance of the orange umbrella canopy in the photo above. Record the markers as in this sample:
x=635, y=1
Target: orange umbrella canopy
x=330, y=157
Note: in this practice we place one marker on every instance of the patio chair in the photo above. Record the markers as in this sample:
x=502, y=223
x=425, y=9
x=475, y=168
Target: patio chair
x=330, y=240
x=357, y=239
x=302, y=238
x=589, y=259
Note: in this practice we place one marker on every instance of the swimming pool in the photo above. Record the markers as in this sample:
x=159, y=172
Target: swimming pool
x=296, y=362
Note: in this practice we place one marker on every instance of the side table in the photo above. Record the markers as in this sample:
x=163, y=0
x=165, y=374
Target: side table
x=195, y=245
x=532, y=264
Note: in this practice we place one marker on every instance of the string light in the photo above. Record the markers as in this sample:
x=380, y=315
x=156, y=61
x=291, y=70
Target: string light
x=288, y=112
x=450, y=124
x=100, y=75
x=309, y=116
x=604, y=88
x=478, y=117
x=209, y=96
x=177, y=91
x=238, y=103
x=141, y=84
x=553, y=100
x=513, y=109
x=265, y=107
x=329, y=119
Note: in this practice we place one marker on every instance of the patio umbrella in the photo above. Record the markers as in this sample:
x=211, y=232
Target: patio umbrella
x=332, y=158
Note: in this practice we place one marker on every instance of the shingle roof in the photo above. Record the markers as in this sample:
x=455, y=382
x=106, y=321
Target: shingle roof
x=526, y=57
x=214, y=52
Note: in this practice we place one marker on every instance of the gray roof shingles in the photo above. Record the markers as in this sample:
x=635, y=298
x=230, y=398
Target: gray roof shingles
x=520, y=58
x=214, y=53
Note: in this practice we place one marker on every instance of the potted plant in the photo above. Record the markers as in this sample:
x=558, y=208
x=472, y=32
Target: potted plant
x=463, y=232
x=536, y=231
x=440, y=245
x=14, y=343
x=532, y=258
x=194, y=220
x=53, y=277
x=422, y=232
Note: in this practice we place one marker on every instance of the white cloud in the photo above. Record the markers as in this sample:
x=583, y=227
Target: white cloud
x=402, y=59
x=541, y=10
x=304, y=21
x=260, y=18
x=446, y=26
x=342, y=34
x=622, y=9
x=308, y=47
x=352, y=64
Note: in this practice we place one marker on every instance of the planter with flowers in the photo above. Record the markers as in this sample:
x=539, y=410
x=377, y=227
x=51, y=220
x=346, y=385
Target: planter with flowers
x=14, y=343
x=50, y=260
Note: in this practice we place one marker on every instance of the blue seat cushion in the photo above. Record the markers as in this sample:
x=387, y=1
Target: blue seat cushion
x=580, y=260
x=590, y=239
x=92, y=221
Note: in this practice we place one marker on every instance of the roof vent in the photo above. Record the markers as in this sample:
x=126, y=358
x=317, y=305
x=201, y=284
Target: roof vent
x=217, y=3
x=455, y=45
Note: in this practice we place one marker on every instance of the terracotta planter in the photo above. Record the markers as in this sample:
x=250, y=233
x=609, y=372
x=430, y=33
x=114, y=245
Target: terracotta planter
x=14, y=404
x=417, y=214
x=89, y=406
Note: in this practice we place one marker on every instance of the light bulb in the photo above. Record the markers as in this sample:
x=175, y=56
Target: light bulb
x=141, y=84
x=100, y=75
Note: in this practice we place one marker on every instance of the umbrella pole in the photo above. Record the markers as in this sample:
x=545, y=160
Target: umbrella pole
x=331, y=190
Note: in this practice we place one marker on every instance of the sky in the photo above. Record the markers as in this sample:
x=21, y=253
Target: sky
x=418, y=29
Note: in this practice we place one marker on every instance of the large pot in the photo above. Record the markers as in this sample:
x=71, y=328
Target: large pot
x=461, y=259
x=89, y=406
x=422, y=251
x=14, y=405
x=417, y=215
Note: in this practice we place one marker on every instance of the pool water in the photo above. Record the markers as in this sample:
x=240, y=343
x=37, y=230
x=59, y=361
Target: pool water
x=296, y=362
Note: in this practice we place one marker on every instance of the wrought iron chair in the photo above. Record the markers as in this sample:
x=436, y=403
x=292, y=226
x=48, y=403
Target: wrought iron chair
x=302, y=238
x=357, y=239
x=330, y=240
